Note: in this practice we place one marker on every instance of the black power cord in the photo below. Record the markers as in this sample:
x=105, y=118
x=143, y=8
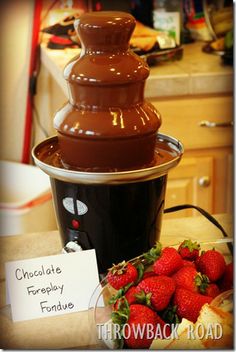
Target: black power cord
x=204, y=213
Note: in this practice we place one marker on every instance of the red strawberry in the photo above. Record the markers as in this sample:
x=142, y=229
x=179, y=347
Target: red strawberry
x=130, y=294
x=121, y=275
x=212, y=264
x=212, y=290
x=197, y=261
x=188, y=263
x=141, y=327
x=168, y=263
x=226, y=282
x=189, y=303
x=189, y=250
x=187, y=277
x=158, y=291
x=148, y=274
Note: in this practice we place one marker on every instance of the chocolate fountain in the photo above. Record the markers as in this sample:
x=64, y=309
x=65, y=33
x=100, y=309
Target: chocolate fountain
x=108, y=164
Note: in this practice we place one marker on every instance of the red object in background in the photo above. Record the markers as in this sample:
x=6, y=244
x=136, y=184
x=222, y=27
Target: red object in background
x=98, y=6
x=33, y=64
x=60, y=40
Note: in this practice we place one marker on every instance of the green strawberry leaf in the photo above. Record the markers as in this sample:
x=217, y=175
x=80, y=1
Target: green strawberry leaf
x=125, y=288
x=121, y=316
x=140, y=269
x=170, y=316
x=119, y=269
x=153, y=254
x=119, y=343
x=148, y=299
x=144, y=298
x=120, y=293
x=202, y=282
x=190, y=245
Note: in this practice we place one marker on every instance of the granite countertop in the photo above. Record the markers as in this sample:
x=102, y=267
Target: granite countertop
x=74, y=331
x=196, y=73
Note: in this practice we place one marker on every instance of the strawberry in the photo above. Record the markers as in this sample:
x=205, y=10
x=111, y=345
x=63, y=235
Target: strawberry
x=119, y=300
x=226, y=282
x=212, y=264
x=130, y=294
x=156, y=291
x=148, y=274
x=169, y=262
x=189, y=250
x=197, y=261
x=187, y=277
x=189, y=303
x=121, y=275
x=130, y=297
x=136, y=331
x=212, y=290
x=188, y=263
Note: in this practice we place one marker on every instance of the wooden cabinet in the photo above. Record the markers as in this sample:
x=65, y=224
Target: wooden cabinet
x=229, y=182
x=190, y=183
x=204, y=176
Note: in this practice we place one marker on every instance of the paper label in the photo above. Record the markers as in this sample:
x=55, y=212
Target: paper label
x=52, y=285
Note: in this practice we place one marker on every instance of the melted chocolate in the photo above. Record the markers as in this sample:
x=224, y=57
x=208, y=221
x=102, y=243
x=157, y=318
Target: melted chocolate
x=107, y=124
x=50, y=153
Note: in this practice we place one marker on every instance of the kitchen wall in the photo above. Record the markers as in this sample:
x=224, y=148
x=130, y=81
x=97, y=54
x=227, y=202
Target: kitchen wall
x=16, y=28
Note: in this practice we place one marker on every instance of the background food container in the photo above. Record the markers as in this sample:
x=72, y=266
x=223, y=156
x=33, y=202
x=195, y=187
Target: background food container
x=25, y=200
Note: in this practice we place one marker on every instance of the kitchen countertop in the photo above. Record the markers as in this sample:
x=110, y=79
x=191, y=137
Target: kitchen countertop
x=196, y=73
x=74, y=330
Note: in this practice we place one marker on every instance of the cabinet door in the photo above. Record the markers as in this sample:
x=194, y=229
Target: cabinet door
x=229, y=185
x=190, y=183
x=193, y=114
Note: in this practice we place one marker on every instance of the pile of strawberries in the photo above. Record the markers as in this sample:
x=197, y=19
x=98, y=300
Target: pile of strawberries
x=165, y=285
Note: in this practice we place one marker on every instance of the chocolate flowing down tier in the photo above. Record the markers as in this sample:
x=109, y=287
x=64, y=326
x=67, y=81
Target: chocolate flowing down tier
x=47, y=155
x=107, y=125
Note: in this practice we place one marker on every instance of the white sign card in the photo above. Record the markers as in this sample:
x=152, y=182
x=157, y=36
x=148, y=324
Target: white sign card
x=52, y=285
